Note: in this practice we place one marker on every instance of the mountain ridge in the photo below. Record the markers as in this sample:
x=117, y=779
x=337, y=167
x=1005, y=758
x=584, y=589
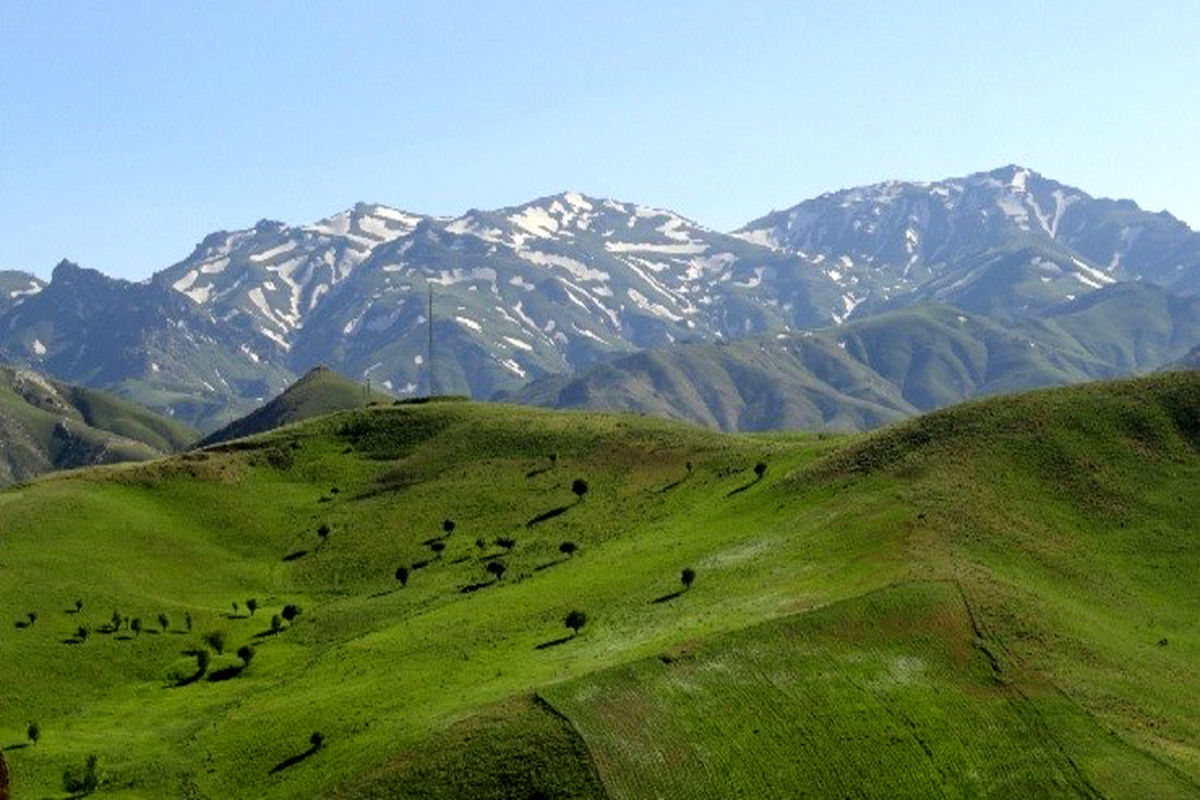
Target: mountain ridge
x=566, y=282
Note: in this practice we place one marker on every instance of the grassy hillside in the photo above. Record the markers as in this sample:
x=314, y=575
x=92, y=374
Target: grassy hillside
x=321, y=391
x=996, y=598
x=892, y=365
x=46, y=425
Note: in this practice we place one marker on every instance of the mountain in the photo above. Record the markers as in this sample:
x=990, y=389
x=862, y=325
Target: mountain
x=320, y=391
x=569, y=282
x=1007, y=241
x=894, y=364
x=996, y=599
x=15, y=286
x=144, y=342
x=46, y=425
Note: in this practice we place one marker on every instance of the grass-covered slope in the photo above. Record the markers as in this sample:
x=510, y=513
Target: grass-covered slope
x=321, y=391
x=993, y=599
x=47, y=425
x=895, y=364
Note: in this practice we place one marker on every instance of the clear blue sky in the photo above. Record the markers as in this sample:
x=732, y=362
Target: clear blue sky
x=128, y=130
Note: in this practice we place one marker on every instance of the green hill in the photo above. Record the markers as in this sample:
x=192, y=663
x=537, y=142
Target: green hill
x=46, y=425
x=991, y=600
x=320, y=391
x=888, y=366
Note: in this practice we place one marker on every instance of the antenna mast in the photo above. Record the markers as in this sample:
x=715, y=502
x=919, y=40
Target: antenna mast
x=431, y=373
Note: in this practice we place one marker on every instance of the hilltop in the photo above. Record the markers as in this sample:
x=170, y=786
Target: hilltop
x=997, y=597
x=321, y=391
x=47, y=425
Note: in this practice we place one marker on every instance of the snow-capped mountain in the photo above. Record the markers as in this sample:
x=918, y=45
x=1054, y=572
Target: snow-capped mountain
x=15, y=286
x=564, y=282
x=1008, y=240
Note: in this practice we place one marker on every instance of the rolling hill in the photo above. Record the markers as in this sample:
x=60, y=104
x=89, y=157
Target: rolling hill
x=887, y=366
x=993, y=599
x=46, y=425
x=321, y=391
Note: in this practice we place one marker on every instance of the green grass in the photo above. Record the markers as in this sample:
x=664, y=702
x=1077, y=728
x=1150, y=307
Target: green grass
x=1065, y=517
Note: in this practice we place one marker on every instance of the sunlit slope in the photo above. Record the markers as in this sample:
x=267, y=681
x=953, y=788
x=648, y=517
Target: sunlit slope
x=1063, y=521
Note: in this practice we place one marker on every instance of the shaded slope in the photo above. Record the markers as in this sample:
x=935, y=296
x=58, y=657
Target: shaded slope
x=320, y=391
x=891, y=365
x=46, y=425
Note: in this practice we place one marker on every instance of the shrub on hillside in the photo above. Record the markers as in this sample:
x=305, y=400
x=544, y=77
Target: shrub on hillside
x=568, y=548
x=497, y=568
x=687, y=577
x=83, y=780
x=215, y=640
x=575, y=620
x=579, y=487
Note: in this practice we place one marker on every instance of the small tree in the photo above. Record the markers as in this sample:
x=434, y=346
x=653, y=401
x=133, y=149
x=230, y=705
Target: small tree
x=34, y=732
x=164, y=622
x=236, y=608
x=187, y=620
x=215, y=640
x=402, y=575
x=760, y=469
x=32, y=617
x=317, y=740
x=136, y=626
x=245, y=653
x=290, y=612
x=83, y=781
x=506, y=542
x=575, y=620
x=448, y=526
x=568, y=549
x=252, y=605
x=579, y=487
x=82, y=633
x=117, y=619
x=437, y=547
x=78, y=606
x=690, y=467
x=687, y=577
x=497, y=568
x=202, y=661
x=323, y=532
x=480, y=543
x=276, y=623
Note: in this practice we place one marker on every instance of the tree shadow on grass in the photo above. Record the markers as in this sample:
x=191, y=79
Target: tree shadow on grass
x=226, y=674
x=295, y=555
x=267, y=633
x=554, y=642
x=666, y=598
x=475, y=587
x=545, y=515
x=741, y=489
x=459, y=560
x=125, y=638
x=73, y=640
x=533, y=473
x=18, y=746
x=384, y=593
x=292, y=761
x=671, y=486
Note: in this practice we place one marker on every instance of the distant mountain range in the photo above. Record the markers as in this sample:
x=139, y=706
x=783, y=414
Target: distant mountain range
x=568, y=284
x=46, y=425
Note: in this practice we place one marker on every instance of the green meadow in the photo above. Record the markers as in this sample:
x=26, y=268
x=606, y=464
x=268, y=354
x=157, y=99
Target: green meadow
x=992, y=600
